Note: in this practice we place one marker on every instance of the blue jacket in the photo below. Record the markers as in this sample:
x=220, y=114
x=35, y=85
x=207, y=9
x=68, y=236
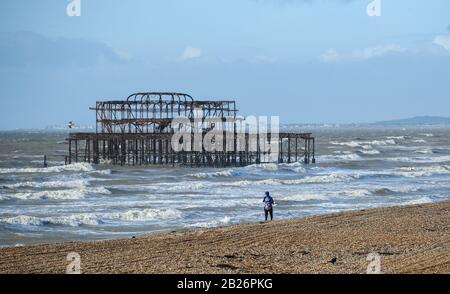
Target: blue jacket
x=268, y=200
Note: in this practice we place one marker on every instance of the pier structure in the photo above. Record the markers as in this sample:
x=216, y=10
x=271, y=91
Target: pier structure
x=140, y=130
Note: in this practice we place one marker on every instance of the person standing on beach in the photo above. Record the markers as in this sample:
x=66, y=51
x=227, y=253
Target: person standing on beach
x=268, y=205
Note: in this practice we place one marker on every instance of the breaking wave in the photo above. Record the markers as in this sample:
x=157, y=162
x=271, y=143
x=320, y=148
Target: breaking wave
x=424, y=151
x=303, y=197
x=69, y=194
x=421, y=200
x=49, y=184
x=424, y=159
x=81, y=166
x=214, y=223
x=370, y=151
x=360, y=144
x=331, y=178
x=80, y=219
x=225, y=173
x=296, y=167
x=424, y=171
x=337, y=158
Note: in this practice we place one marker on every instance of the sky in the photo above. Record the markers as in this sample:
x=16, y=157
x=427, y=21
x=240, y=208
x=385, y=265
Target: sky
x=307, y=61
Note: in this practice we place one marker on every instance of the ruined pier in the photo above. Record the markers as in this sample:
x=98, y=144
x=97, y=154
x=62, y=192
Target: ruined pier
x=140, y=131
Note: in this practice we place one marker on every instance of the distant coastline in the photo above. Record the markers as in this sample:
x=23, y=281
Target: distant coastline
x=417, y=121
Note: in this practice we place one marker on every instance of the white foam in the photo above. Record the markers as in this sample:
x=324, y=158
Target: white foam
x=424, y=171
x=80, y=219
x=224, y=173
x=214, y=223
x=337, y=158
x=264, y=166
x=421, y=200
x=296, y=167
x=355, y=193
x=69, y=194
x=419, y=141
x=100, y=172
x=269, y=182
x=29, y=156
x=50, y=184
x=302, y=197
x=429, y=159
x=81, y=166
x=355, y=144
x=370, y=152
x=144, y=214
x=22, y=220
x=424, y=151
x=330, y=178
x=71, y=220
x=397, y=137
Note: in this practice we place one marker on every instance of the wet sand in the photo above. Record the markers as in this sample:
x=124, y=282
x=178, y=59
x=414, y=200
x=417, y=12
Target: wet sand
x=409, y=239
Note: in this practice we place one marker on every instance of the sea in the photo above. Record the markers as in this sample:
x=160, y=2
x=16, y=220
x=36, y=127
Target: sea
x=356, y=168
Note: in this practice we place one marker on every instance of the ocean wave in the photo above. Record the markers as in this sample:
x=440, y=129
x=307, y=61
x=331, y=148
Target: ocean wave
x=52, y=162
x=424, y=171
x=100, y=172
x=424, y=151
x=69, y=194
x=71, y=220
x=337, y=158
x=422, y=200
x=159, y=187
x=354, y=193
x=398, y=137
x=29, y=156
x=424, y=159
x=296, y=167
x=330, y=178
x=359, y=144
x=80, y=219
x=214, y=223
x=224, y=173
x=81, y=166
x=369, y=152
x=419, y=141
x=144, y=214
x=303, y=197
x=384, y=191
x=263, y=166
x=267, y=182
x=49, y=184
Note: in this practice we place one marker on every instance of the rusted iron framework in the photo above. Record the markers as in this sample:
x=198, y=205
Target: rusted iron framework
x=138, y=131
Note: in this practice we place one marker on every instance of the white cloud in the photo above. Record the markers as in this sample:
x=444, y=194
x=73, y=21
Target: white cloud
x=443, y=41
x=332, y=55
x=373, y=52
x=190, y=53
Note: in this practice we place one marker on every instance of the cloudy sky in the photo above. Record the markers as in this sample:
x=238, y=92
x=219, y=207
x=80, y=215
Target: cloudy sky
x=309, y=61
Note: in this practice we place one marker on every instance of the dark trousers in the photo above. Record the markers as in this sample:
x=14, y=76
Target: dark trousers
x=267, y=211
